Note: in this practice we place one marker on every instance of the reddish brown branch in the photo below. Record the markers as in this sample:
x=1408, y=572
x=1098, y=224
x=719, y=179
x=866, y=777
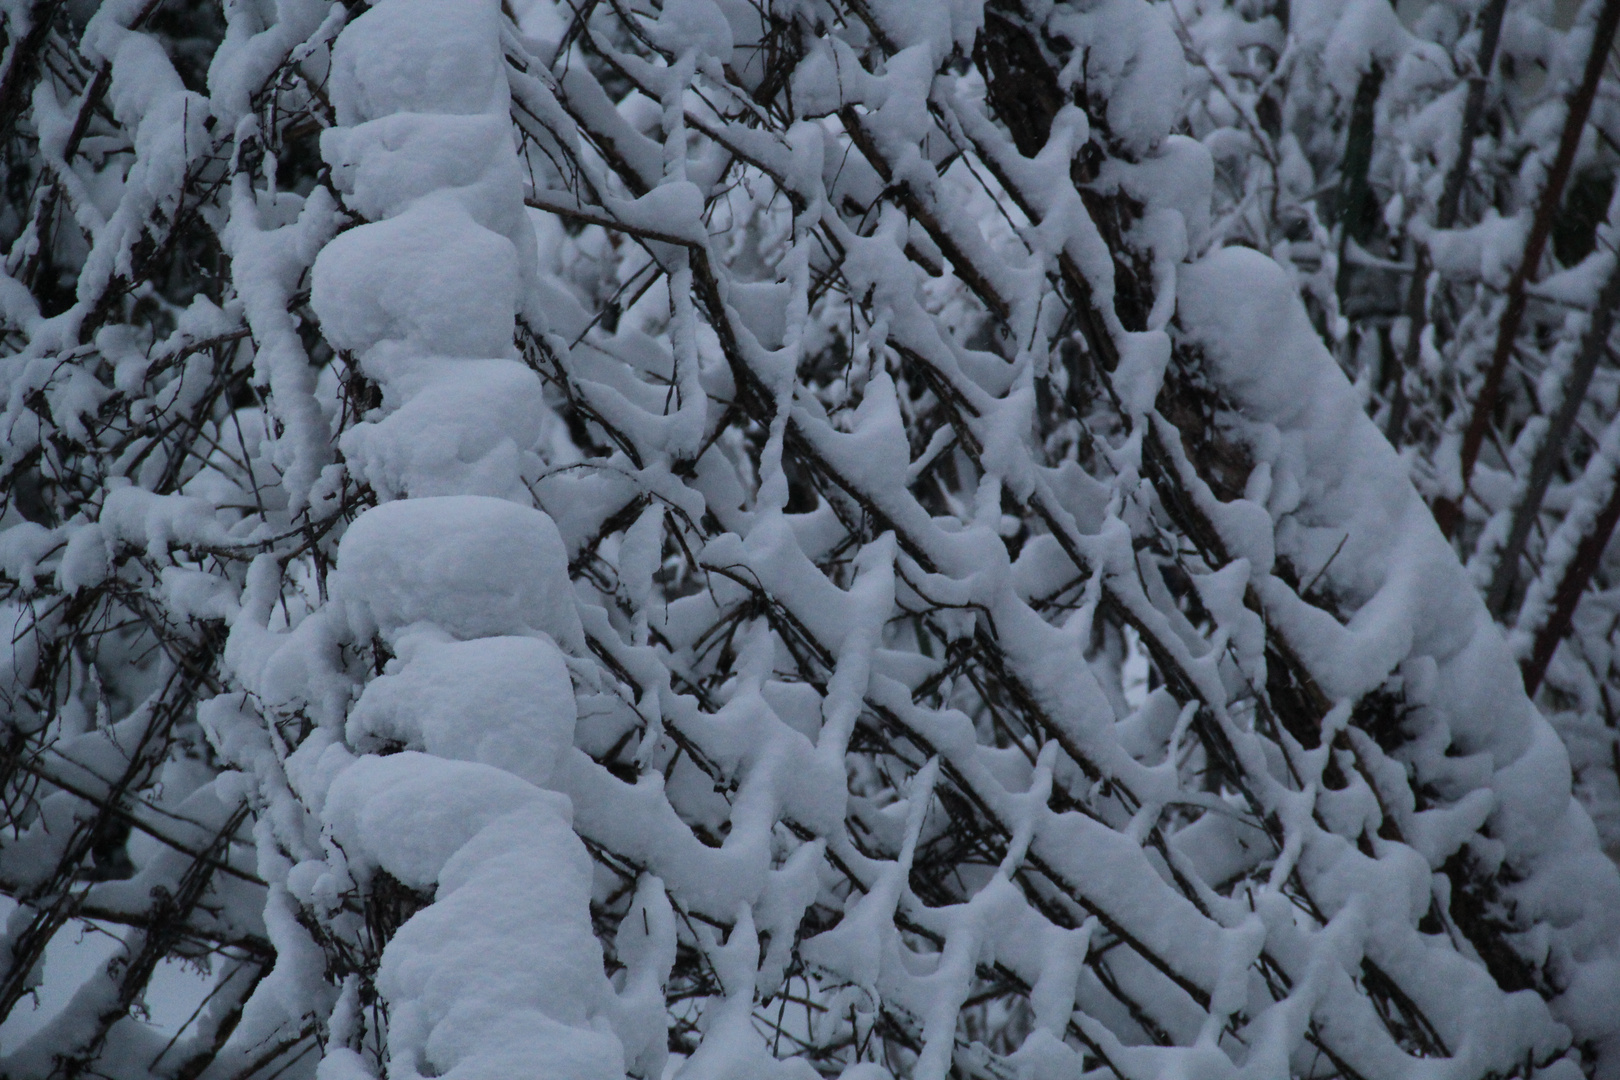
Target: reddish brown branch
x=1448, y=512
x=1567, y=597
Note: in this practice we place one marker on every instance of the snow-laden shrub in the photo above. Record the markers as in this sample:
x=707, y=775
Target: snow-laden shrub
x=741, y=539
x=1440, y=177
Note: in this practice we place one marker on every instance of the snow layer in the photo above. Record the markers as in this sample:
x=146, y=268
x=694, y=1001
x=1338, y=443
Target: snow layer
x=513, y=653
x=1415, y=606
x=501, y=974
x=469, y=427
x=431, y=279
x=470, y=565
x=505, y=702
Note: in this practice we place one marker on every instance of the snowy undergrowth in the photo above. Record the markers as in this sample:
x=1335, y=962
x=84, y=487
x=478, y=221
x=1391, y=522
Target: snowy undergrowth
x=671, y=506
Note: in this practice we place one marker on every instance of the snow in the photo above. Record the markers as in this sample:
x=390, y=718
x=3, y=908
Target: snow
x=408, y=813
x=273, y=260
x=251, y=50
x=1415, y=602
x=428, y=56
x=702, y=562
x=384, y=165
x=1126, y=53
x=468, y=565
x=696, y=25
x=431, y=279
x=471, y=995
x=475, y=997
x=463, y=578
x=505, y=702
x=470, y=427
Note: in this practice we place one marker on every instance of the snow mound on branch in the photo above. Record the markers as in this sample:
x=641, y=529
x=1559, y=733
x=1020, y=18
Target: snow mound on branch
x=408, y=813
x=432, y=278
x=1126, y=53
x=503, y=970
x=1395, y=568
x=697, y=25
x=470, y=430
x=385, y=165
x=502, y=975
x=468, y=564
x=420, y=56
x=503, y=701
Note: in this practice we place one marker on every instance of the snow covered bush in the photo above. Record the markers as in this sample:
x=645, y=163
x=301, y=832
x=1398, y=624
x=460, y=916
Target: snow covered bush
x=1442, y=184
x=741, y=539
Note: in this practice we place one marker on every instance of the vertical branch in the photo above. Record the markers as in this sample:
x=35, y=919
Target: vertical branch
x=1447, y=512
x=1567, y=596
x=1594, y=345
x=24, y=63
x=1356, y=210
x=1416, y=308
